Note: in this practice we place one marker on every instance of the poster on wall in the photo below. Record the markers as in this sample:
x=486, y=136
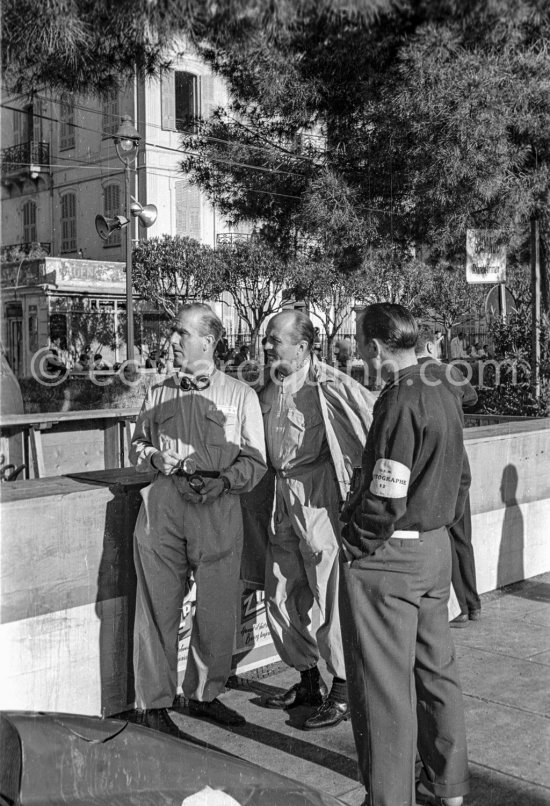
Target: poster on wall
x=253, y=645
x=184, y=632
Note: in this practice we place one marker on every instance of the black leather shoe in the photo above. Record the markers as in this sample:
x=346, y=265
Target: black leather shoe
x=299, y=694
x=328, y=714
x=158, y=719
x=216, y=711
x=459, y=621
x=475, y=615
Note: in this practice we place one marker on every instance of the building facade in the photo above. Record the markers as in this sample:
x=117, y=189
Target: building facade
x=60, y=169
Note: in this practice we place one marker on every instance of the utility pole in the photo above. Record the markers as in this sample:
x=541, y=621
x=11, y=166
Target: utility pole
x=535, y=296
x=129, y=299
x=502, y=300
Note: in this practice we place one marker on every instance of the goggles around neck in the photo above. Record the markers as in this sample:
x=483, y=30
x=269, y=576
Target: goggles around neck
x=197, y=384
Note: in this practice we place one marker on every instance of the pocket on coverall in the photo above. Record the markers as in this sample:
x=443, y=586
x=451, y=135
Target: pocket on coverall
x=221, y=427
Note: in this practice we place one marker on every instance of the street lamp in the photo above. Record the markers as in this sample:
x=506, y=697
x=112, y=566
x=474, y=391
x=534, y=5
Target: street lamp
x=126, y=139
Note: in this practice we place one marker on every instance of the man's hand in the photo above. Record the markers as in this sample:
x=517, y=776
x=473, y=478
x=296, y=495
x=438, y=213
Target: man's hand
x=213, y=488
x=186, y=491
x=165, y=461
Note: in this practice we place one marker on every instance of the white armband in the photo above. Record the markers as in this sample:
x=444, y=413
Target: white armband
x=390, y=479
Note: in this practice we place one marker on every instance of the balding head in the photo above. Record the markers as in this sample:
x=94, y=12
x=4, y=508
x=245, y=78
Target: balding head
x=298, y=324
x=289, y=340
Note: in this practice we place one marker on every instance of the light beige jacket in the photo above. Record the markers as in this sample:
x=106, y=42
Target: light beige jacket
x=346, y=407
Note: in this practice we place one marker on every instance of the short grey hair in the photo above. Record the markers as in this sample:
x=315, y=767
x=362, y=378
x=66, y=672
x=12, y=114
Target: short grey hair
x=210, y=323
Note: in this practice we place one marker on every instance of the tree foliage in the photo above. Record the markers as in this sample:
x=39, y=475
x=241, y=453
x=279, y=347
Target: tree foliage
x=255, y=276
x=512, y=391
x=395, y=275
x=359, y=126
x=171, y=270
x=447, y=298
x=430, y=118
x=95, y=45
x=92, y=330
x=329, y=293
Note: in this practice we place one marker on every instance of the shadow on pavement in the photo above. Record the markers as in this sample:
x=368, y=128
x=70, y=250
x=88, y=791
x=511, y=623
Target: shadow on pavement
x=491, y=788
x=298, y=748
x=535, y=591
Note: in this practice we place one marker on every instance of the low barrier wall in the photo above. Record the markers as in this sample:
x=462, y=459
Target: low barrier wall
x=68, y=584
x=67, y=600
x=510, y=497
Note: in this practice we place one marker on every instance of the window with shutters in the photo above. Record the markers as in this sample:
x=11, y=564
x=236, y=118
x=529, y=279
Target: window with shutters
x=66, y=127
x=29, y=222
x=17, y=126
x=188, y=210
x=207, y=91
x=111, y=208
x=180, y=101
x=68, y=222
x=111, y=112
x=23, y=125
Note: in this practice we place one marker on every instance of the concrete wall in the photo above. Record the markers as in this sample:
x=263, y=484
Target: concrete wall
x=68, y=585
x=510, y=498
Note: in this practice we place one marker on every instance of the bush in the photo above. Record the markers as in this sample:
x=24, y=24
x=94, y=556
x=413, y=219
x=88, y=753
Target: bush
x=516, y=400
x=514, y=395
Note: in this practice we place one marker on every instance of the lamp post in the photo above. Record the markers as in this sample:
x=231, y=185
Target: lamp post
x=126, y=140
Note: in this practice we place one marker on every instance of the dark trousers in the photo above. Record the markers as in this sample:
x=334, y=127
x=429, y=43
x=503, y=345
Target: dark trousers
x=464, y=567
x=401, y=669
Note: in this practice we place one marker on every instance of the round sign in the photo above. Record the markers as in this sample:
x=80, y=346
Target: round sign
x=493, y=303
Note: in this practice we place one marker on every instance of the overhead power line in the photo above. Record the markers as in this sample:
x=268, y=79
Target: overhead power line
x=167, y=148
x=267, y=149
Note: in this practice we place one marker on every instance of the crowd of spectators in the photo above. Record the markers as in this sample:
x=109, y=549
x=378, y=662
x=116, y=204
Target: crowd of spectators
x=343, y=354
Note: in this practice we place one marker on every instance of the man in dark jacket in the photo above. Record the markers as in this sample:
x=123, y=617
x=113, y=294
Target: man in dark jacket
x=464, y=568
x=396, y=573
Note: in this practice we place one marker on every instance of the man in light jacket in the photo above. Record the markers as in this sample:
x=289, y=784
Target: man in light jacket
x=316, y=420
x=201, y=432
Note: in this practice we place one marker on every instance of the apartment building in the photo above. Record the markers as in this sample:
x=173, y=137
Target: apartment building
x=60, y=168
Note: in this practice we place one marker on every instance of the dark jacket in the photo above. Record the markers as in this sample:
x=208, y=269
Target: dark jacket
x=452, y=377
x=415, y=473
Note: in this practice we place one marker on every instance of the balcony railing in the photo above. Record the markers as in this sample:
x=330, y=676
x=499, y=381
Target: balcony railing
x=14, y=251
x=25, y=159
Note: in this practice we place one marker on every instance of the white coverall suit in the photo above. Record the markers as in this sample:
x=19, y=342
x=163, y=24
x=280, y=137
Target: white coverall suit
x=302, y=557
x=221, y=429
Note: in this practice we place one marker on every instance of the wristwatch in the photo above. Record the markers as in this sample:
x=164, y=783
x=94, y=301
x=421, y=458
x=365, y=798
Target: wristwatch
x=226, y=484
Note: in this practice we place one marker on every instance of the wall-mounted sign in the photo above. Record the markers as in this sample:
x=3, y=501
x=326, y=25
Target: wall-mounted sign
x=76, y=272
x=485, y=256
x=62, y=271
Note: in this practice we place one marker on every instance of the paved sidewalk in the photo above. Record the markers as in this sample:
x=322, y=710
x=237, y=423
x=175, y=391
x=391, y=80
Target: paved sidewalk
x=505, y=671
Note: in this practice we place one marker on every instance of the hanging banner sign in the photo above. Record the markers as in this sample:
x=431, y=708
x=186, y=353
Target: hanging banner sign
x=485, y=256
